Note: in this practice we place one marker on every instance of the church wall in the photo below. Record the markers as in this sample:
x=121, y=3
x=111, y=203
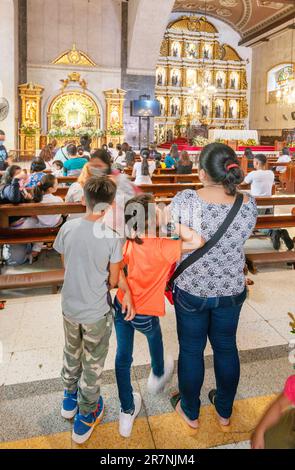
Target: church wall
x=94, y=26
x=265, y=56
x=9, y=68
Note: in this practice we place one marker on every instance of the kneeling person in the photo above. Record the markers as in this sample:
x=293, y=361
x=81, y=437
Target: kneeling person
x=92, y=254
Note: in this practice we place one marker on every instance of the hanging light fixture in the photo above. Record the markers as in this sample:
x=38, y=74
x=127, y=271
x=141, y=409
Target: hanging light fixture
x=205, y=90
x=285, y=95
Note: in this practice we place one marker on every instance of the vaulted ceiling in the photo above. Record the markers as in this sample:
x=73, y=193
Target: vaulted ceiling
x=248, y=17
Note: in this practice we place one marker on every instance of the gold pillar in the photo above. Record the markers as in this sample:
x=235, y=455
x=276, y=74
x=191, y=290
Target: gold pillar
x=30, y=128
x=114, y=115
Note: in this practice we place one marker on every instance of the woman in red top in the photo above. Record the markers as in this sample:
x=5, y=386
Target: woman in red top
x=148, y=259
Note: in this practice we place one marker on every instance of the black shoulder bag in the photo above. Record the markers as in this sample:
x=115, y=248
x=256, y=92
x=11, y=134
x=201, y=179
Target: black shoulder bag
x=198, y=254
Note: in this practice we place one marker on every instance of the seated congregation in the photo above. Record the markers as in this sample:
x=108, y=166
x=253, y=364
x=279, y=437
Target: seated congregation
x=189, y=249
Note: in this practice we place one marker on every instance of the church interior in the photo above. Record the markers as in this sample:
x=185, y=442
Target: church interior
x=134, y=97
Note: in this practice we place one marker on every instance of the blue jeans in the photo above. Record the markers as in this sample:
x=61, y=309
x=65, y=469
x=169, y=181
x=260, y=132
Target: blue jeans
x=216, y=318
x=150, y=327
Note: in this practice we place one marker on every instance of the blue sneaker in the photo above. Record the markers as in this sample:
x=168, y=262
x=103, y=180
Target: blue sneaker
x=84, y=424
x=69, y=405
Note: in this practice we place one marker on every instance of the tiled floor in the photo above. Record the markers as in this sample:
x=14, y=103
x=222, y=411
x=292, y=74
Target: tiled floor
x=31, y=337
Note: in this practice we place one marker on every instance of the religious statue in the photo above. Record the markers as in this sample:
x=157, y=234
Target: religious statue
x=218, y=111
x=204, y=110
x=160, y=79
x=219, y=82
x=31, y=115
x=175, y=51
x=114, y=117
x=231, y=112
x=233, y=82
x=175, y=79
x=206, y=53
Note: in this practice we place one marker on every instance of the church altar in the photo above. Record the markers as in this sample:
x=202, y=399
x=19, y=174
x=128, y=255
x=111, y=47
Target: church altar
x=233, y=134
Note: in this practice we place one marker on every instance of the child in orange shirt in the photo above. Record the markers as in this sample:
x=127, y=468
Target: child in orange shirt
x=148, y=260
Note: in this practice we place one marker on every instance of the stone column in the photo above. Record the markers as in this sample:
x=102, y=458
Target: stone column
x=8, y=68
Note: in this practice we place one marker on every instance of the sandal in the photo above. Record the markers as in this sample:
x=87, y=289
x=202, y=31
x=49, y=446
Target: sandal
x=212, y=396
x=175, y=401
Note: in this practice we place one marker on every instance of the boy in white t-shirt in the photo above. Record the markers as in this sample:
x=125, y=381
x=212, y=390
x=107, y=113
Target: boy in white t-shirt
x=262, y=181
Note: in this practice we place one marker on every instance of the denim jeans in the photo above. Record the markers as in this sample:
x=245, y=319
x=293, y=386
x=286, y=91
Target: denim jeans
x=216, y=318
x=150, y=327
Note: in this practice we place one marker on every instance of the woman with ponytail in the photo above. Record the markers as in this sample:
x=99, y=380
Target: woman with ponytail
x=143, y=170
x=210, y=293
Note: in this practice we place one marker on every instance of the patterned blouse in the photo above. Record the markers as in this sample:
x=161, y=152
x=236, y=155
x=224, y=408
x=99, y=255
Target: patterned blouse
x=220, y=272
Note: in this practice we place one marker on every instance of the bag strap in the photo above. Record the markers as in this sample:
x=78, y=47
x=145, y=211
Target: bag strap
x=197, y=254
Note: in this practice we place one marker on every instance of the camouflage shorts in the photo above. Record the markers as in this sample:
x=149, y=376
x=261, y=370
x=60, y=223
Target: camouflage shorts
x=85, y=351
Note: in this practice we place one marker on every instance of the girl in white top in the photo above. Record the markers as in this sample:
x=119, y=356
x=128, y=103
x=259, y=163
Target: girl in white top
x=143, y=170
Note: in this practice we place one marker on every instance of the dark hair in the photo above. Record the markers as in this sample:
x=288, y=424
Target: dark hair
x=145, y=153
x=47, y=182
x=104, y=156
x=174, y=151
x=125, y=147
x=59, y=163
x=131, y=212
x=85, y=141
x=46, y=154
x=80, y=150
x=286, y=151
x=8, y=175
x=99, y=190
x=248, y=153
x=37, y=165
x=72, y=150
x=111, y=145
x=261, y=158
x=185, y=159
x=130, y=158
x=215, y=159
x=2, y=132
x=119, y=147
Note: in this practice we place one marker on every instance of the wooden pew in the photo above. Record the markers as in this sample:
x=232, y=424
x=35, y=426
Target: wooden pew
x=168, y=190
x=32, y=209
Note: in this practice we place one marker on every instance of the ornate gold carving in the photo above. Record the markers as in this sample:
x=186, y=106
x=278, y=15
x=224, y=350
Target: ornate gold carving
x=30, y=126
x=73, y=77
x=244, y=82
x=74, y=57
x=115, y=105
x=244, y=109
x=193, y=24
x=164, y=48
x=230, y=53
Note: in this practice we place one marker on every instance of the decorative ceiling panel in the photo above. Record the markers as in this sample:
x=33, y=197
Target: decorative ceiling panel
x=246, y=16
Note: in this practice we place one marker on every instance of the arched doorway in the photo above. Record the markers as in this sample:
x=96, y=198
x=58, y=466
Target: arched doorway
x=72, y=114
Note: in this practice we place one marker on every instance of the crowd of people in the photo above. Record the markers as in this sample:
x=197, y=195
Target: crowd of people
x=197, y=242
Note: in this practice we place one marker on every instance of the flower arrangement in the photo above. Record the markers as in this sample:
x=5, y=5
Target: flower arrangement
x=114, y=131
x=292, y=322
x=29, y=129
x=200, y=141
x=75, y=132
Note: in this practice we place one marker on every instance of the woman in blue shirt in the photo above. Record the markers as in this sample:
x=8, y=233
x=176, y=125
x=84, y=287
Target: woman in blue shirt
x=172, y=158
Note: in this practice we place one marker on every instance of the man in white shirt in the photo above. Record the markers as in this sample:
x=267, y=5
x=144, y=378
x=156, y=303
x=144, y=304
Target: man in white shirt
x=262, y=181
x=284, y=158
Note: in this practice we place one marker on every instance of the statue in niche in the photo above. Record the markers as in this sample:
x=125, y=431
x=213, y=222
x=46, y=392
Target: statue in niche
x=219, y=82
x=206, y=53
x=174, y=109
x=175, y=79
x=218, y=111
x=204, y=110
x=231, y=112
x=160, y=79
x=31, y=111
x=114, y=117
x=175, y=51
x=233, y=82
